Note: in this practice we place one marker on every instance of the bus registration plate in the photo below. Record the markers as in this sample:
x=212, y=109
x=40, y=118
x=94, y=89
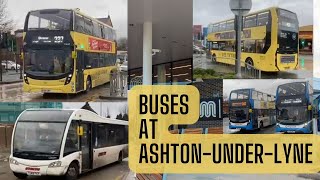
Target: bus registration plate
x=291, y=127
x=45, y=91
x=32, y=173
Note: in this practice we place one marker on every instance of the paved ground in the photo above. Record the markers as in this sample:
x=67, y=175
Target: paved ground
x=239, y=177
x=306, y=71
x=117, y=171
x=14, y=93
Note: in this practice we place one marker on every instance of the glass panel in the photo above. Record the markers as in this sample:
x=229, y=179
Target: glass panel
x=79, y=24
x=49, y=20
x=230, y=25
x=48, y=62
x=222, y=26
x=263, y=19
x=38, y=140
x=249, y=46
x=72, y=141
x=250, y=21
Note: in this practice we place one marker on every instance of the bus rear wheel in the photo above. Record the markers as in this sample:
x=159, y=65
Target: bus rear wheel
x=20, y=176
x=261, y=125
x=214, y=58
x=120, y=158
x=72, y=172
x=249, y=64
x=89, y=84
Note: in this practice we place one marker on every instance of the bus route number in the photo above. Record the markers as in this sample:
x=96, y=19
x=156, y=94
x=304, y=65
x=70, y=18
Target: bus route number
x=58, y=39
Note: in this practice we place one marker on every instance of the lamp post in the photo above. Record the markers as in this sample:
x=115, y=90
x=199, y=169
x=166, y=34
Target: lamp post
x=240, y=8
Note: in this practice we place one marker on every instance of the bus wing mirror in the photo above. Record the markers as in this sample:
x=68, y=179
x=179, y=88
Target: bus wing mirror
x=74, y=55
x=80, y=131
x=309, y=108
x=22, y=56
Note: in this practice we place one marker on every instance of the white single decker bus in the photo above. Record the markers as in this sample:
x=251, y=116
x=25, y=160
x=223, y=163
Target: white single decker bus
x=51, y=142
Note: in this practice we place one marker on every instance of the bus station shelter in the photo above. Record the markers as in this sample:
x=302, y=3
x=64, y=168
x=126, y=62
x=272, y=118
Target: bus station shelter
x=160, y=42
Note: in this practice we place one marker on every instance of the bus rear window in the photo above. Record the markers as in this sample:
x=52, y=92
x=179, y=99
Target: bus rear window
x=49, y=20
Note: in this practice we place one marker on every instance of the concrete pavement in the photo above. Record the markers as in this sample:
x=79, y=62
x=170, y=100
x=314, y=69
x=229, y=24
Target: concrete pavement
x=14, y=93
x=305, y=69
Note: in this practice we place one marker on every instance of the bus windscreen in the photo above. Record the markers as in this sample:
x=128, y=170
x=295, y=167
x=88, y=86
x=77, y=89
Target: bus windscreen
x=38, y=140
x=292, y=89
x=49, y=20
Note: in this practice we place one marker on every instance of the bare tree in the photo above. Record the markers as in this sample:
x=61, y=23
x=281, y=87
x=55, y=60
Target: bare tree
x=122, y=44
x=6, y=23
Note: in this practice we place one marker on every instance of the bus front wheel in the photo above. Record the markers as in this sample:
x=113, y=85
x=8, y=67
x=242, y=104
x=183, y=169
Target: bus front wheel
x=249, y=64
x=89, y=84
x=20, y=176
x=72, y=172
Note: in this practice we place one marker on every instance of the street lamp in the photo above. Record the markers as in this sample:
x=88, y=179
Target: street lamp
x=240, y=8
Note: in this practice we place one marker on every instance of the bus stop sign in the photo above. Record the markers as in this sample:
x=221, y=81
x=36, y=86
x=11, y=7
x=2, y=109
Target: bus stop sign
x=240, y=7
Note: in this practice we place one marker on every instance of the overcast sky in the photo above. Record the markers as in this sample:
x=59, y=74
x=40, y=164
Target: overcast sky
x=102, y=108
x=266, y=86
x=18, y=9
x=211, y=11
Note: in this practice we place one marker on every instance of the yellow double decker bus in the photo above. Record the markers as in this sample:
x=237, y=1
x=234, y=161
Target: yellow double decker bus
x=66, y=51
x=270, y=40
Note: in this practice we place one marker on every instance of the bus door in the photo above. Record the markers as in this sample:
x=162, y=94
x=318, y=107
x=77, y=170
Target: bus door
x=272, y=114
x=80, y=69
x=86, y=147
x=255, y=118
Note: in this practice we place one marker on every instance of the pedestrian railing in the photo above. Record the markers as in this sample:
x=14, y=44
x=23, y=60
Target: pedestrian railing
x=247, y=70
x=138, y=80
x=118, y=84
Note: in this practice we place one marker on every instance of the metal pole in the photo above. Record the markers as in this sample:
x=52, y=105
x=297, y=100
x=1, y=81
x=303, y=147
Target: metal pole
x=147, y=53
x=21, y=66
x=0, y=66
x=238, y=42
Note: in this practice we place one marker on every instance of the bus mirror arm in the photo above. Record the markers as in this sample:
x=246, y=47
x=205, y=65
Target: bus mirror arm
x=74, y=55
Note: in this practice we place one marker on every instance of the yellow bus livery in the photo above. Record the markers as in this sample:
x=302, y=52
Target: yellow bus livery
x=66, y=51
x=270, y=40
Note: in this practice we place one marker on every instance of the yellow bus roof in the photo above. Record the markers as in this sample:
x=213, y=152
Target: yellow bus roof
x=270, y=8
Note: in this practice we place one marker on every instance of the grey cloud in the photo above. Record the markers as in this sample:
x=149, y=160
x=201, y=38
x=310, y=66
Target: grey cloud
x=18, y=9
x=208, y=11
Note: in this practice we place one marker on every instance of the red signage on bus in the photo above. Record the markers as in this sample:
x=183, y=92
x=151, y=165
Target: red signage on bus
x=99, y=45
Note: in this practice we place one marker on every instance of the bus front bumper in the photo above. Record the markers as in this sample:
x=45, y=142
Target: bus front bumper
x=296, y=130
x=244, y=126
x=287, y=62
x=65, y=89
x=31, y=169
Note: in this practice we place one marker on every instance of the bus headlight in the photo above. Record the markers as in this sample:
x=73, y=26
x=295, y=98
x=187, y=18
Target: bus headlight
x=305, y=125
x=25, y=77
x=68, y=80
x=13, y=161
x=55, y=164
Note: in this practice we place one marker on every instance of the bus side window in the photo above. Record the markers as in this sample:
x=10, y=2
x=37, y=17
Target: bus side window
x=263, y=19
x=72, y=140
x=79, y=24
